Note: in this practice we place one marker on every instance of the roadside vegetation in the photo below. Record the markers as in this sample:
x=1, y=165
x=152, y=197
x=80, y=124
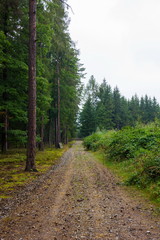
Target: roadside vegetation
x=134, y=154
x=12, y=164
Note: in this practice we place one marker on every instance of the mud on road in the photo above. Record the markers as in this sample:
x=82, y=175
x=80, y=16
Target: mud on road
x=79, y=200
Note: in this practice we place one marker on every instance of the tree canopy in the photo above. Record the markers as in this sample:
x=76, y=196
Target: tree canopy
x=56, y=60
x=105, y=108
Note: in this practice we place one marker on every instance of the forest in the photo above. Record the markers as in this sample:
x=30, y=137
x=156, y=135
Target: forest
x=105, y=108
x=58, y=74
x=58, y=78
x=65, y=109
x=77, y=160
x=124, y=133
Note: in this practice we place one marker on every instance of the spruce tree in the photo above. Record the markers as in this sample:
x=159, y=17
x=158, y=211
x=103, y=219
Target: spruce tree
x=31, y=147
x=104, y=109
x=87, y=119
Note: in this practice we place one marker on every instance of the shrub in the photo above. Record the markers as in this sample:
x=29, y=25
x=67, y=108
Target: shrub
x=92, y=142
x=136, y=147
x=146, y=173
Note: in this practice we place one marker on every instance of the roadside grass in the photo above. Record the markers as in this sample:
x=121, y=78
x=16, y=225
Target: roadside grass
x=12, y=165
x=133, y=154
x=124, y=171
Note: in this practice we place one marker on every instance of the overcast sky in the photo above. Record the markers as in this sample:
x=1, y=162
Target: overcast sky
x=119, y=40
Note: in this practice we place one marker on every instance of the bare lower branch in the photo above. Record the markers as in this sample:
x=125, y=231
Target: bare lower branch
x=68, y=6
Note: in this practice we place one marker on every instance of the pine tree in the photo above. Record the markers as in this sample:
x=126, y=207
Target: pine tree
x=87, y=119
x=31, y=148
x=104, y=110
x=117, y=108
x=13, y=69
x=134, y=109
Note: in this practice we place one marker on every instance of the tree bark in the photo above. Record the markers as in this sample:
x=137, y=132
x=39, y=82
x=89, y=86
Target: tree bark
x=57, y=120
x=31, y=147
x=4, y=139
x=64, y=135
x=41, y=144
x=4, y=132
x=51, y=130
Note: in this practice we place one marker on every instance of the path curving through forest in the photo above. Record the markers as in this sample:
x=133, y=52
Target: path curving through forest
x=79, y=200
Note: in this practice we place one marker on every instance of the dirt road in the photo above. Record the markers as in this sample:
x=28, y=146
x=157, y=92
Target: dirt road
x=79, y=200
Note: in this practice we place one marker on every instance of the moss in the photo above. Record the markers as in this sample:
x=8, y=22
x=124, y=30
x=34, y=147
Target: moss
x=4, y=197
x=12, y=167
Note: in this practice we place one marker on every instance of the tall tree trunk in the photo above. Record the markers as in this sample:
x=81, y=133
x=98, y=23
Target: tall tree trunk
x=65, y=138
x=56, y=138
x=5, y=118
x=57, y=120
x=4, y=141
x=4, y=132
x=50, y=132
x=41, y=144
x=31, y=147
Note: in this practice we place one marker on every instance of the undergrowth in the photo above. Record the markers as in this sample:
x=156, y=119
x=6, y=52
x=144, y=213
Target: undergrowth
x=12, y=165
x=133, y=153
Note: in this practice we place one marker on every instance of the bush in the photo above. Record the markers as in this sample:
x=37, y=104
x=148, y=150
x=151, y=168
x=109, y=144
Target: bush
x=92, y=142
x=128, y=142
x=123, y=145
x=138, y=148
x=147, y=171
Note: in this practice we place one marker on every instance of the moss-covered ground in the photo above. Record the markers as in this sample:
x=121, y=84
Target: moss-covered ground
x=12, y=165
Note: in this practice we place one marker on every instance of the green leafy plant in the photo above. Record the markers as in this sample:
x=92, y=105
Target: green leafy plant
x=133, y=153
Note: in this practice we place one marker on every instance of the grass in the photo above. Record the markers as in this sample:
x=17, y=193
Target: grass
x=12, y=165
x=124, y=170
x=133, y=154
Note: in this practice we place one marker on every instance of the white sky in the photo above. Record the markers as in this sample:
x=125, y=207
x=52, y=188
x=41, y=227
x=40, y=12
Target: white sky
x=119, y=40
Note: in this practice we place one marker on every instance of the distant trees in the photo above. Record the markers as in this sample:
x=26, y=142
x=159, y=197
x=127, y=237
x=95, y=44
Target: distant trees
x=88, y=118
x=105, y=106
x=106, y=109
x=13, y=72
x=58, y=75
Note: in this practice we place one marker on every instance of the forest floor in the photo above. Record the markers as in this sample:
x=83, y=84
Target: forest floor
x=79, y=199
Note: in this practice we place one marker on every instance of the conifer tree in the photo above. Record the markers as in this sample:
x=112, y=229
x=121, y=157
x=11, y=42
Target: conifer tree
x=87, y=119
x=104, y=111
x=31, y=147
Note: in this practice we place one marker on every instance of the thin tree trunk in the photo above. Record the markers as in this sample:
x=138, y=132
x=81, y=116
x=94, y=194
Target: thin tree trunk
x=4, y=139
x=31, y=147
x=41, y=144
x=57, y=120
x=66, y=137
x=4, y=132
x=5, y=116
x=50, y=133
x=58, y=105
x=56, y=139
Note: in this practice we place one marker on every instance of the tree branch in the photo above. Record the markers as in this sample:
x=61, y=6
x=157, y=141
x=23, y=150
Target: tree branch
x=68, y=6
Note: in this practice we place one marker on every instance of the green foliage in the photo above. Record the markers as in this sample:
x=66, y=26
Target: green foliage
x=123, y=145
x=98, y=140
x=87, y=119
x=134, y=151
x=17, y=137
x=92, y=142
x=54, y=45
x=113, y=111
x=147, y=170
